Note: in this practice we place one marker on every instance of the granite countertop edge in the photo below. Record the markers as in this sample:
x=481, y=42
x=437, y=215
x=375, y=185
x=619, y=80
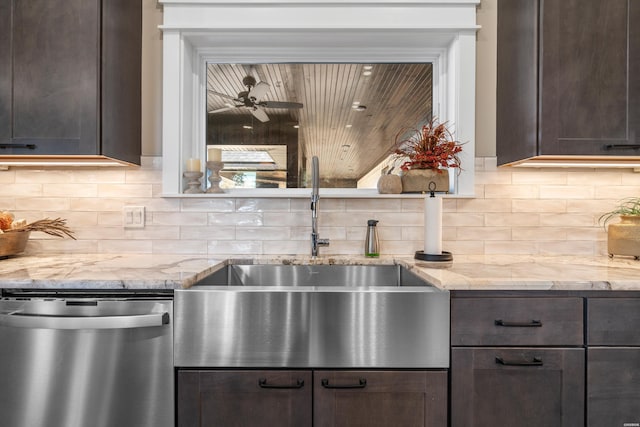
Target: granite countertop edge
x=177, y=271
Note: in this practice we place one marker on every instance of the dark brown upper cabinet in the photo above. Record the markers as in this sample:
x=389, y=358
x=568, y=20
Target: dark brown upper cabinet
x=568, y=78
x=70, y=78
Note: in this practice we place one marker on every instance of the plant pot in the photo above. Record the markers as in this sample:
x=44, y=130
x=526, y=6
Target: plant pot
x=420, y=180
x=13, y=242
x=623, y=238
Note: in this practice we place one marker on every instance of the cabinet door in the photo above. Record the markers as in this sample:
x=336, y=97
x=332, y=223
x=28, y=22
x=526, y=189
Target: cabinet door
x=380, y=398
x=613, y=387
x=55, y=76
x=524, y=387
x=588, y=94
x=244, y=398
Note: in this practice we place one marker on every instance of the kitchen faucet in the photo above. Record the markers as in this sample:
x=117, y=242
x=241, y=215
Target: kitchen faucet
x=316, y=241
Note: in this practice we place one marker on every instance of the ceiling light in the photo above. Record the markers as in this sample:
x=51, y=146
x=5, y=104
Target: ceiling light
x=247, y=127
x=366, y=73
x=360, y=108
x=368, y=67
x=348, y=126
x=296, y=126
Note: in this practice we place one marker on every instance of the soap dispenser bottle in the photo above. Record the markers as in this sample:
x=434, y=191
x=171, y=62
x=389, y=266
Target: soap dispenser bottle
x=371, y=245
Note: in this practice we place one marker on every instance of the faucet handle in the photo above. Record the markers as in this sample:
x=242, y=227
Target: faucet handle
x=323, y=242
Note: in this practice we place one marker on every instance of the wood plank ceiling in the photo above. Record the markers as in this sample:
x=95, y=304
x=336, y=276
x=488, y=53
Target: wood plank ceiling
x=348, y=141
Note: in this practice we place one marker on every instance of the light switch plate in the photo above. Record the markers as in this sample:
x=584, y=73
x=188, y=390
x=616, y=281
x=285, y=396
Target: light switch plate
x=133, y=216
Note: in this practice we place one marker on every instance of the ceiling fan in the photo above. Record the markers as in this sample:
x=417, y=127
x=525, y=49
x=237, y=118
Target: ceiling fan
x=251, y=99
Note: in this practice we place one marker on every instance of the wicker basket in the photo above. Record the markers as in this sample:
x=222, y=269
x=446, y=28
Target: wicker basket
x=13, y=242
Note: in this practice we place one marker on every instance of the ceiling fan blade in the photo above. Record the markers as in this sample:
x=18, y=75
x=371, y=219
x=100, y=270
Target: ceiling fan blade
x=258, y=91
x=220, y=110
x=259, y=114
x=280, y=104
x=222, y=95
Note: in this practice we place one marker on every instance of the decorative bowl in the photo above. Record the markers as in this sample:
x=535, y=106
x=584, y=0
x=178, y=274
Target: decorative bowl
x=13, y=242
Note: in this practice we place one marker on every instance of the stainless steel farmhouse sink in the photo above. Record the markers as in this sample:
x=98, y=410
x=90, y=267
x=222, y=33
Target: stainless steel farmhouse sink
x=319, y=316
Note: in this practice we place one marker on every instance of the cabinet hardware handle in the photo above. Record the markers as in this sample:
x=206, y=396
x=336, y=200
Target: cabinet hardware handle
x=531, y=324
x=262, y=382
x=29, y=146
x=535, y=362
x=362, y=383
x=622, y=146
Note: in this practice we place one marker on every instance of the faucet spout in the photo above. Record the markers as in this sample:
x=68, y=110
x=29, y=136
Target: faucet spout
x=316, y=241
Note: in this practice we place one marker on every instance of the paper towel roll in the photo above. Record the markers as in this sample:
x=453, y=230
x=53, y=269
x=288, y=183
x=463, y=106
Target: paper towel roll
x=433, y=225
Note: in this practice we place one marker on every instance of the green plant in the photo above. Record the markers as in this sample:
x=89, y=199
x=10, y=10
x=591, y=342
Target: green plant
x=626, y=207
x=431, y=147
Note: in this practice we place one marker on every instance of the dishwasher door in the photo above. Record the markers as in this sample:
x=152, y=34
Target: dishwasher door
x=82, y=362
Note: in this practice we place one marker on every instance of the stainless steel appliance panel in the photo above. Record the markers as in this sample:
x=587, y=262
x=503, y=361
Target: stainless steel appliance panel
x=241, y=326
x=86, y=362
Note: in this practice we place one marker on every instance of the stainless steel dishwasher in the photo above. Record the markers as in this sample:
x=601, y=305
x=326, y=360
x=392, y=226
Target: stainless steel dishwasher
x=78, y=359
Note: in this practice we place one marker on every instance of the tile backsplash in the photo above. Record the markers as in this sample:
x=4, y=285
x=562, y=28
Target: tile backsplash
x=515, y=211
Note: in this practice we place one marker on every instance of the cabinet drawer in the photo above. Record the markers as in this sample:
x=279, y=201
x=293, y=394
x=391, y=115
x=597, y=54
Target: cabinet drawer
x=613, y=321
x=516, y=321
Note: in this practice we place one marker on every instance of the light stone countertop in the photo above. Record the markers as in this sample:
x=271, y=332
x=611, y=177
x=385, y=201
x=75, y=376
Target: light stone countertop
x=126, y=271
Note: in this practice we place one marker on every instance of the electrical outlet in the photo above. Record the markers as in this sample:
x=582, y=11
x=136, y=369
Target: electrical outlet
x=133, y=216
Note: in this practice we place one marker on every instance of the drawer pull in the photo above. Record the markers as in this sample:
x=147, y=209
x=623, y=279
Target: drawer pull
x=535, y=362
x=531, y=324
x=362, y=383
x=622, y=146
x=262, y=382
x=29, y=146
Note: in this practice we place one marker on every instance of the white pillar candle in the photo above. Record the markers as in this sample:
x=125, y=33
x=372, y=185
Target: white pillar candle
x=215, y=155
x=193, y=165
x=433, y=225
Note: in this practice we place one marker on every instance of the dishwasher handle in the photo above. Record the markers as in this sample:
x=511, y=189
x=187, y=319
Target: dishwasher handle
x=33, y=321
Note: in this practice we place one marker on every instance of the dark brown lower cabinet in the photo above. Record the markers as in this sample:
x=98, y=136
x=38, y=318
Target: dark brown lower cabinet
x=380, y=398
x=524, y=387
x=237, y=398
x=305, y=398
x=613, y=387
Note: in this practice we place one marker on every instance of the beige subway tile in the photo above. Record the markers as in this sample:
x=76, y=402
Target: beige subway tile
x=76, y=219
x=143, y=176
x=595, y=177
x=538, y=206
x=43, y=204
x=596, y=233
x=373, y=205
x=97, y=204
x=511, y=247
x=125, y=190
x=539, y=177
x=232, y=247
x=70, y=190
x=616, y=192
x=156, y=205
x=499, y=191
x=125, y=246
x=7, y=204
x=458, y=219
x=483, y=233
x=325, y=204
x=538, y=233
x=413, y=205
x=207, y=232
x=99, y=175
x=340, y=247
x=179, y=247
x=512, y=219
x=100, y=233
x=493, y=177
x=463, y=247
x=179, y=218
x=22, y=190
x=61, y=246
x=483, y=205
x=292, y=219
x=287, y=247
x=262, y=233
x=262, y=205
x=566, y=192
x=43, y=176
x=399, y=247
x=208, y=205
x=7, y=177
x=574, y=247
x=567, y=220
x=591, y=206
x=153, y=233
x=630, y=178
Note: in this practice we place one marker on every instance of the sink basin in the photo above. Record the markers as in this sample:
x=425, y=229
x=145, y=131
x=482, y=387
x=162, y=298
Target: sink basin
x=313, y=316
x=312, y=275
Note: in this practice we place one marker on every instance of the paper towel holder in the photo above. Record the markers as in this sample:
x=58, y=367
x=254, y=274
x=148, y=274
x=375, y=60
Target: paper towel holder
x=444, y=256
